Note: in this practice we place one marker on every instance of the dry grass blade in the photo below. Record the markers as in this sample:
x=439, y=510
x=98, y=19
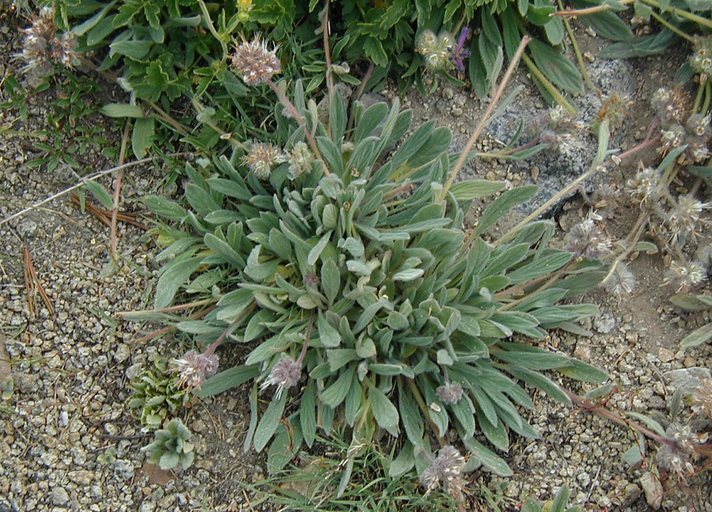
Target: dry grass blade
x=33, y=286
x=5, y=368
x=104, y=215
x=114, y=217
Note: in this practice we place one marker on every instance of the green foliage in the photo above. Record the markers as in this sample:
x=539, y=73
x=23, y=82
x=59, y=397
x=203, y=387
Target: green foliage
x=361, y=274
x=164, y=50
x=677, y=18
x=695, y=303
x=558, y=504
x=171, y=446
x=155, y=394
x=76, y=131
x=309, y=486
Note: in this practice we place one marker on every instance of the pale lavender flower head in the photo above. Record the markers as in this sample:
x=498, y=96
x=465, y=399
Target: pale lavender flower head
x=285, y=374
x=254, y=62
x=588, y=240
x=194, y=368
x=450, y=392
x=43, y=46
x=445, y=471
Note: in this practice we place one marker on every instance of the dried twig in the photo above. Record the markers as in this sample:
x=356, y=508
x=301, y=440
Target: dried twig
x=33, y=285
x=485, y=118
x=104, y=216
x=114, y=237
x=86, y=180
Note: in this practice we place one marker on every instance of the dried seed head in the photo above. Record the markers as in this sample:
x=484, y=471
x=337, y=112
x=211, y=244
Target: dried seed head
x=43, y=47
x=450, y=392
x=701, y=59
x=605, y=196
x=588, y=240
x=672, y=138
x=615, y=109
x=677, y=457
x=254, y=62
x=621, y=281
x=261, y=158
x=285, y=374
x=671, y=105
x=702, y=398
x=300, y=160
x=685, y=217
x=685, y=275
x=699, y=125
x=445, y=471
x=193, y=368
x=645, y=186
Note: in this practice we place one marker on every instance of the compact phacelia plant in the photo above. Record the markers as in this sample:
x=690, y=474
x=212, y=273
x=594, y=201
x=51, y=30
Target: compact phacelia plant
x=156, y=396
x=171, y=446
x=342, y=257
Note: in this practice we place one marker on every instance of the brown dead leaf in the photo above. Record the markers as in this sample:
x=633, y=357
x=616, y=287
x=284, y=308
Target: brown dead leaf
x=104, y=215
x=155, y=474
x=33, y=286
x=4, y=361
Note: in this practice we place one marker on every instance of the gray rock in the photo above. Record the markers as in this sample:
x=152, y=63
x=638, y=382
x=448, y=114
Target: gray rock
x=653, y=490
x=124, y=469
x=59, y=496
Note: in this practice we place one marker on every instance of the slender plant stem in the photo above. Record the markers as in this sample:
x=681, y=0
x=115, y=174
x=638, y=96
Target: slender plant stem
x=587, y=10
x=209, y=22
x=598, y=166
x=708, y=96
x=83, y=182
x=299, y=118
x=114, y=238
x=631, y=241
x=485, y=118
x=671, y=27
x=167, y=118
x=588, y=406
x=231, y=328
x=655, y=3
x=681, y=12
x=307, y=337
x=424, y=409
x=325, y=29
x=169, y=309
x=199, y=107
x=577, y=51
x=550, y=88
x=698, y=98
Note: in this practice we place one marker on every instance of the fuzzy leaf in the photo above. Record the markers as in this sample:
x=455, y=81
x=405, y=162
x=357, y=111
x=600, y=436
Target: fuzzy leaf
x=269, y=422
x=384, y=411
x=503, y=204
x=328, y=335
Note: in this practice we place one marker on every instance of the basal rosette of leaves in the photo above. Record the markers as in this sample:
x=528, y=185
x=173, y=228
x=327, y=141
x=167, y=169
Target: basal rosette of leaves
x=358, y=271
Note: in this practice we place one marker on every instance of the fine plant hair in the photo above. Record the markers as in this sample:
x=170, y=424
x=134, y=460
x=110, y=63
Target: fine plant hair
x=341, y=257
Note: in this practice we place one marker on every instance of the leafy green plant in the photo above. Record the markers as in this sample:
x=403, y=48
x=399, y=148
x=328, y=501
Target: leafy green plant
x=695, y=303
x=156, y=395
x=310, y=484
x=171, y=446
x=678, y=20
x=558, y=504
x=344, y=256
x=166, y=50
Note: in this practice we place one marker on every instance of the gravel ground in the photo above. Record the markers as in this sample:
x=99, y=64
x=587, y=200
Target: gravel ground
x=68, y=442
